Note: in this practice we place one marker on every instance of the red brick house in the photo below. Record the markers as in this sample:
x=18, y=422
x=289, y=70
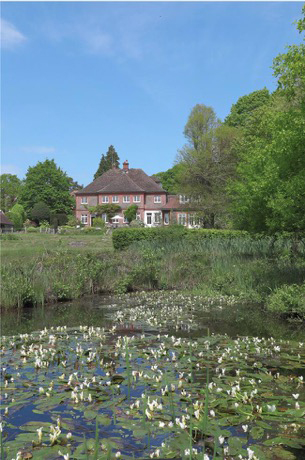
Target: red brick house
x=128, y=186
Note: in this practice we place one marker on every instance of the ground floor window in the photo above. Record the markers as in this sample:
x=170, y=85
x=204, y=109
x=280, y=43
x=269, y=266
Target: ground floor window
x=138, y=216
x=166, y=218
x=157, y=217
x=84, y=219
x=182, y=219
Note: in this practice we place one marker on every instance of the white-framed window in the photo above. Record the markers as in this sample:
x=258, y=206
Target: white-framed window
x=157, y=217
x=125, y=220
x=115, y=221
x=84, y=200
x=105, y=218
x=183, y=199
x=182, y=219
x=136, y=199
x=157, y=199
x=115, y=199
x=84, y=219
x=126, y=199
x=105, y=199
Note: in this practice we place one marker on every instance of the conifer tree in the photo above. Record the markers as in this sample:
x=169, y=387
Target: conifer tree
x=108, y=161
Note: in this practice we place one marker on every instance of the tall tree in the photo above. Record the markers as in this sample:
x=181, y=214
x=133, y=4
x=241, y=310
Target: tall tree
x=170, y=178
x=108, y=161
x=245, y=107
x=47, y=183
x=207, y=162
x=269, y=193
x=10, y=188
x=289, y=67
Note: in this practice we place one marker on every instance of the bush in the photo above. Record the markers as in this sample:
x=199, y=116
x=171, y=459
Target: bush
x=137, y=223
x=32, y=230
x=288, y=300
x=124, y=237
x=98, y=222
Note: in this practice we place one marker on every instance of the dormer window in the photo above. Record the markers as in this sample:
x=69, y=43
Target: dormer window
x=183, y=199
x=84, y=200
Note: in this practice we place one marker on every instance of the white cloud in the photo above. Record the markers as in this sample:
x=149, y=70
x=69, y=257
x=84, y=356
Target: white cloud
x=38, y=149
x=10, y=36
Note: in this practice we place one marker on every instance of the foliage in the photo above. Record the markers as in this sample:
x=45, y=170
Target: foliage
x=40, y=211
x=288, y=300
x=57, y=219
x=72, y=221
x=137, y=223
x=108, y=161
x=290, y=70
x=131, y=212
x=269, y=194
x=109, y=209
x=16, y=218
x=98, y=222
x=170, y=178
x=124, y=237
x=8, y=237
x=208, y=162
x=47, y=183
x=10, y=188
x=243, y=109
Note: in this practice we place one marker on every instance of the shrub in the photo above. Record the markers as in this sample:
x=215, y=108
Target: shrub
x=98, y=222
x=32, y=229
x=204, y=233
x=124, y=237
x=137, y=223
x=288, y=300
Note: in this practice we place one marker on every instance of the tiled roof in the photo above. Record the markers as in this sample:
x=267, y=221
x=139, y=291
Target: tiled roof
x=118, y=180
x=4, y=219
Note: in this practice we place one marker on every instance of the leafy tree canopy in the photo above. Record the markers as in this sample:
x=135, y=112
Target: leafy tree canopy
x=40, y=211
x=207, y=162
x=110, y=209
x=10, y=187
x=47, y=183
x=244, y=107
x=170, y=178
x=289, y=68
x=111, y=159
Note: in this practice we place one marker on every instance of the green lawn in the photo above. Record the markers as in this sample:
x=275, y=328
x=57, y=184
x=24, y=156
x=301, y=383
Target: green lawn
x=31, y=245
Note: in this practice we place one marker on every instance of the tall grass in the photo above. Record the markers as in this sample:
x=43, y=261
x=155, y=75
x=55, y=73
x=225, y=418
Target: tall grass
x=250, y=269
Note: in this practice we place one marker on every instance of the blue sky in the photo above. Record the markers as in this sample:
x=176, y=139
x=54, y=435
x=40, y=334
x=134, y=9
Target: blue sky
x=79, y=76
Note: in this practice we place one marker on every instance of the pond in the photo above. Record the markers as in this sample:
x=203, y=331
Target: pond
x=152, y=375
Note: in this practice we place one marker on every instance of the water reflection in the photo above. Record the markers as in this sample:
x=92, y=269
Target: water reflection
x=233, y=320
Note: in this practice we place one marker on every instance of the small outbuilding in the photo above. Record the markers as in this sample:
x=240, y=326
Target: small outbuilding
x=5, y=224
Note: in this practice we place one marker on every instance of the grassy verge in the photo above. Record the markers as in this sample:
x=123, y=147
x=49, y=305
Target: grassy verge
x=37, y=269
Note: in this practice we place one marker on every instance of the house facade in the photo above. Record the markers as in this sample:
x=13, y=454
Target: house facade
x=128, y=186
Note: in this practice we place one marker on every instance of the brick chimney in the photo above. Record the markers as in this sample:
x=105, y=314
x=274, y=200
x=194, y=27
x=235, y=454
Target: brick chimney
x=125, y=166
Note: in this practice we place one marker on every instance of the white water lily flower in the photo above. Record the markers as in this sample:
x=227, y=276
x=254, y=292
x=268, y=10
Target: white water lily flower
x=118, y=454
x=39, y=432
x=197, y=414
x=161, y=424
x=212, y=413
x=245, y=428
x=250, y=453
x=271, y=408
x=148, y=414
x=221, y=439
x=296, y=395
x=297, y=405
